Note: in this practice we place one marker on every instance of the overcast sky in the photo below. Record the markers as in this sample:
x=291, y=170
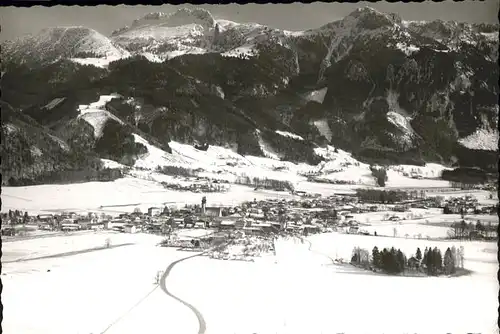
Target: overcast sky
x=297, y=16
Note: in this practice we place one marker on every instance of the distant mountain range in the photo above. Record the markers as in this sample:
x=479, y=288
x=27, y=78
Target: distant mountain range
x=387, y=90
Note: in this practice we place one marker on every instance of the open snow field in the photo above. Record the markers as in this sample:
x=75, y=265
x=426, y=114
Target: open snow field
x=304, y=293
x=430, y=223
x=122, y=195
x=298, y=291
x=87, y=293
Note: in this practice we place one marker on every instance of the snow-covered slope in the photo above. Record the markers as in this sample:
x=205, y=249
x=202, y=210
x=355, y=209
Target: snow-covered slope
x=289, y=134
x=223, y=163
x=96, y=115
x=64, y=42
x=482, y=139
x=317, y=95
x=323, y=128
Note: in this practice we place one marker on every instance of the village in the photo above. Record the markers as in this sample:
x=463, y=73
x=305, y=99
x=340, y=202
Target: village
x=255, y=224
x=324, y=239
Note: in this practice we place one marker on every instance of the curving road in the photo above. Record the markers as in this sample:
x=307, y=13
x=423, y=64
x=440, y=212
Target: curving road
x=201, y=321
x=319, y=253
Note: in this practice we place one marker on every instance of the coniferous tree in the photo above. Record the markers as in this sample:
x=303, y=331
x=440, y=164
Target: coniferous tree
x=438, y=262
x=354, y=258
x=394, y=260
x=418, y=255
x=430, y=261
x=384, y=260
x=376, y=257
x=426, y=255
x=401, y=260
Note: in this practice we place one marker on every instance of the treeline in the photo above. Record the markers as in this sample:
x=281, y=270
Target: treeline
x=67, y=176
x=178, y=171
x=265, y=183
x=32, y=154
x=392, y=261
x=465, y=176
x=486, y=160
x=381, y=196
x=386, y=157
x=323, y=180
x=292, y=149
x=461, y=230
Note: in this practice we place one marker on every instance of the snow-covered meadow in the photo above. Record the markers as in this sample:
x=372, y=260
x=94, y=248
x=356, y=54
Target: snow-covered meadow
x=86, y=293
x=299, y=290
x=304, y=292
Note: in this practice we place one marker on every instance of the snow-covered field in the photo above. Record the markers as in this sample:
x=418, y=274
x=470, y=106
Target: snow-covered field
x=304, y=293
x=300, y=291
x=122, y=195
x=87, y=293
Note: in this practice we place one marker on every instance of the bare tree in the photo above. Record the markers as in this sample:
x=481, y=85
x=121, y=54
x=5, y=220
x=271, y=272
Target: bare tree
x=461, y=254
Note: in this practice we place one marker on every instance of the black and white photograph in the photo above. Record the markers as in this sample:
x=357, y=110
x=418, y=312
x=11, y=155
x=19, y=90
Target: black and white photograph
x=301, y=168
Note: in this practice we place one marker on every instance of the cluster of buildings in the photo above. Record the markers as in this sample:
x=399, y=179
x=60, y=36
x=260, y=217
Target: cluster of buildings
x=202, y=187
x=467, y=205
x=307, y=215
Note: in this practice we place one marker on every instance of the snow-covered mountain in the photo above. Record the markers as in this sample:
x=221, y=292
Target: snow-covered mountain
x=56, y=43
x=160, y=36
x=385, y=89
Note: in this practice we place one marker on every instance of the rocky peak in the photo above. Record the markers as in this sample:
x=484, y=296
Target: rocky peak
x=181, y=17
x=369, y=18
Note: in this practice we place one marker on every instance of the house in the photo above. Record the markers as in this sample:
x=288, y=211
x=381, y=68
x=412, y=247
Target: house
x=401, y=208
x=45, y=218
x=310, y=229
x=413, y=263
x=352, y=223
x=45, y=226
x=154, y=211
x=70, y=227
x=227, y=225
x=349, y=217
x=86, y=223
x=109, y=225
x=129, y=228
x=98, y=226
x=254, y=230
x=213, y=211
x=176, y=222
x=200, y=224
x=353, y=229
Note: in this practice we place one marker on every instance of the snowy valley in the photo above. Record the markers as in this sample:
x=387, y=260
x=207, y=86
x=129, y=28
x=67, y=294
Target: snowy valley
x=192, y=174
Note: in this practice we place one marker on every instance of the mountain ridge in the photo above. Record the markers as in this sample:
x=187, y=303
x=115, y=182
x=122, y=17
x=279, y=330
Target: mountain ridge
x=388, y=90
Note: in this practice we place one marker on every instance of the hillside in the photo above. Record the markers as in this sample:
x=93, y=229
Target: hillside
x=389, y=91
